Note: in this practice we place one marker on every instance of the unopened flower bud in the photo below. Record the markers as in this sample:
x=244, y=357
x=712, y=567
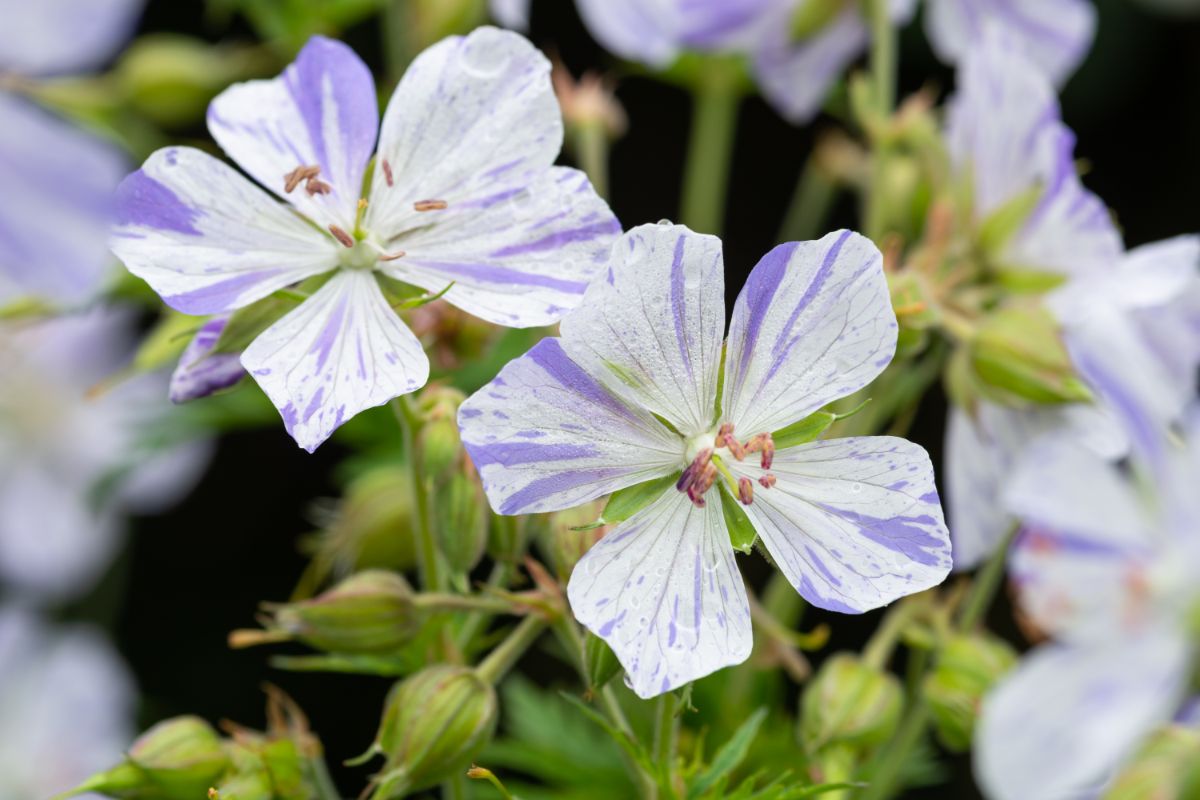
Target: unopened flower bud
x=849, y=702
x=434, y=723
x=1167, y=766
x=967, y=668
x=462, y=521
x=508, y=537
x=1019, y=355
x=371, y=612
x=440, y=446
x=368, y=528
x=600, y=662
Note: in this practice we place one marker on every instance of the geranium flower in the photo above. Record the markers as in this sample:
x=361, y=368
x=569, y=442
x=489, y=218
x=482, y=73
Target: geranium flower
x=1054, y=34
x=462, y=192
x=633, y=392
x=56, y=209
x=73, y=463
x=1105, y=568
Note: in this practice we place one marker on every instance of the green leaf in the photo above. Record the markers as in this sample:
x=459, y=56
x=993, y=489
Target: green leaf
x=741, y=532
x=625, y=503
x=730, y=756
x=998, y=229
x=627, y=743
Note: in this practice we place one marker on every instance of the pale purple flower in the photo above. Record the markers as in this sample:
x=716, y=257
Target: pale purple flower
x=68, y=703
x=202, y=371
x=73, y=463
x=1106, y=567
x=510, y=13
x=629, y=393
x=56, y=207
x=1054, y=34
x=794, y=75
x=463, y=191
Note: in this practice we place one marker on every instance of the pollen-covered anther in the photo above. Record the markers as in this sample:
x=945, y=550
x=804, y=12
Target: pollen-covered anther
x=745, y=491
x=392, y=256
x=762, y=443
x=315, y=186
x=299, y=175
x=766, y=481
x=346, y=239
x=430, y=205
x=702, y=483
x=387, y=173
x=694, y=470
x=725, y=438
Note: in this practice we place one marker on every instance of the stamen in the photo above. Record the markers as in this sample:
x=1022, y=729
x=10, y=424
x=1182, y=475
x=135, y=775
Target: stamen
x=766, y=445
x=314, y=186
x=430, y=205
x=702, y=484
x=694, y=471
x=392, y=256
x=767, y=481
x=387, y=173
x=745, y=491
x=726, y=438
x=299, y=175
x=346, y=239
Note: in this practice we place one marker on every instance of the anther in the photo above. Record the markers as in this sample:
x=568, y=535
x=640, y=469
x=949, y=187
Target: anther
x=346, y=239
x=745, y=491
x=766, y=445
x=387, y=172
x=702, y=484
x=430, y=205
x=726, y=438
x=392, y=256
x=766, y=481
x=695, y=471
x=299, y=175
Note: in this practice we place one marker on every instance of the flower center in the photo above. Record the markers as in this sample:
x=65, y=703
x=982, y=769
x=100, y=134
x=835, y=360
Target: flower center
x=707, y=455
x=359, y=256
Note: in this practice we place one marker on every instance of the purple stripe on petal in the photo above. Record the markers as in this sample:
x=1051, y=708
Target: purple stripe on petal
x=678, y=303
x=549, y=355
x=503, y=275
x=554, y=241
x=553, y=484
x=508, y=454
x=143, y=201
x=903, y=534
x=759, y=292
x=218, y=296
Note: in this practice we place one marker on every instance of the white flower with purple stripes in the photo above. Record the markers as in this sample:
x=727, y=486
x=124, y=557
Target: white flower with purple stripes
x=632, y=392
x=463, y=193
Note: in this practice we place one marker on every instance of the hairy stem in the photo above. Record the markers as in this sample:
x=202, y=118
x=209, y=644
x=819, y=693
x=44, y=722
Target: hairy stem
x=710, y=147
x=498, y=662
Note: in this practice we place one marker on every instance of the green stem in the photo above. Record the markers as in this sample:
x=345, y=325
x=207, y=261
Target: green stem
x=426, y=546
x=666, y=731
x=883, y=642
x=500, y=575
x=986, y=584
x=397, y=25
x=501, y=660
x=322, y=782
x=809, y=206
x=710, y=146
x=883, y=93
x=591, y=148
x=459, y=602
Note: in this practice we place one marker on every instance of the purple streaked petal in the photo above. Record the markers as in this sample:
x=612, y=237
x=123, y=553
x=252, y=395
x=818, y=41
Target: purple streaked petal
x=813, y=323
x=201, y=371
x=1054, y=34
x=340, y=352
x=208, y=240
x=1064, y=721
x=652, y=331
x=589, y=442
x=321, y=111
x=663, y=589
x=54, y=37
x=853, y=523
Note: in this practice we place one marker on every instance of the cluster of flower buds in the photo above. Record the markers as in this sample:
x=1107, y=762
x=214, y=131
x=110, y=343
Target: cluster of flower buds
x=967, y=668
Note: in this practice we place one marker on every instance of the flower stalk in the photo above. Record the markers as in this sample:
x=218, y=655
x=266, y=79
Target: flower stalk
x=716, y=96
x=427, y=555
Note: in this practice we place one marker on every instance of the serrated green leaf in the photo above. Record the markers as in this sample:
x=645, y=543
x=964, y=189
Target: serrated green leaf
x=625, y=503
x=741, y=531
x=730, y=756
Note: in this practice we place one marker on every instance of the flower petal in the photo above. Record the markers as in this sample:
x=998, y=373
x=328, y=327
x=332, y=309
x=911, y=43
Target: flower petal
x=55, y=218
x=52, y=37
x=813, y=323
x=1063, y=722
x=510, y=13
x=545, y=436
x=342, y=351
x=201, y=371
x=322, y=111
x=634, y=29
x=651, y=331
x=853, y=523
x=663, y=589
x=208, y=240
x=522, y=261
x=796, y=77
x=1054, y=34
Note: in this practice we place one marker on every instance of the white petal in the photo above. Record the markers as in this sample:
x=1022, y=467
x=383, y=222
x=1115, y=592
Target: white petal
x=1054, y=34
x=813, y=323
x=523, y=261
x=853, y=523
x=342, y=351
x=63, y=36
x=639, y=30
x=322, y=111
x=208, y=240
x=545, y=436
x=663, y=589
x=1060, y=726
x=54, y=225
x=510, y=13
x=651, y=329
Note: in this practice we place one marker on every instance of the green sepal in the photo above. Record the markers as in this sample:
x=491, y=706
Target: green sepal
x=1027, y=280
x=599, y=661
x=166, y=341
x=1001, y=225
x=626, y=502
x=741, y=531
x=811, y=427
x=247, y=323
x=425, y=299
x=812, y=17
x=1019, y=354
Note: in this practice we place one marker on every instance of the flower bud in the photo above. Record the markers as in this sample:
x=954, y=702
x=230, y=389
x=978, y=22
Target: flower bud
x=371, y=612
x=1167, y=766
x=1019, y=355
x=599, y=661
x=368, y=528
x=462, y=521
x=968, y=666
x=849, y=702
x=440, y=446
x=434, y=723
x=508, y=537
x=560, y=541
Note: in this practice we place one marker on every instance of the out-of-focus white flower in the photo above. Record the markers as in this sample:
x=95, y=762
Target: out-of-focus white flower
x=68, y=703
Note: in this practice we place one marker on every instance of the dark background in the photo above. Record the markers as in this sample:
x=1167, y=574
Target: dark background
x=191, y=576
